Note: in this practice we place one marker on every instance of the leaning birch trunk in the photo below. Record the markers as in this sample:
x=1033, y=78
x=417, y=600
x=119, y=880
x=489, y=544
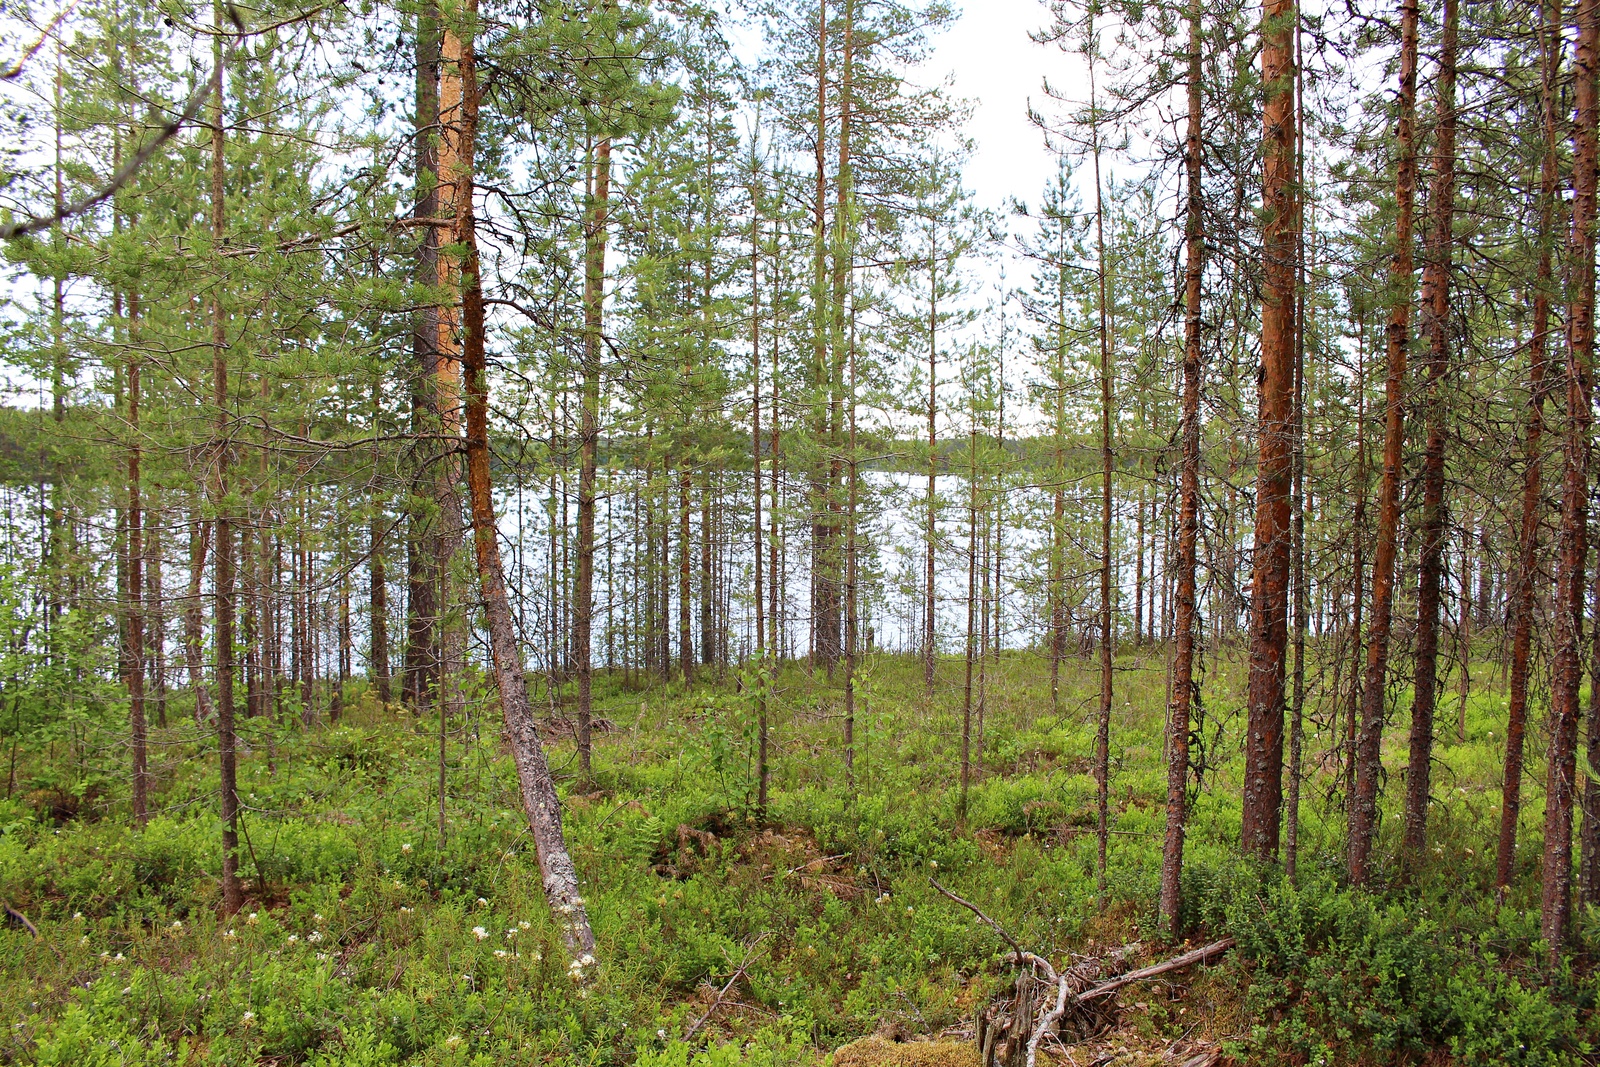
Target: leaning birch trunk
x=533, y=773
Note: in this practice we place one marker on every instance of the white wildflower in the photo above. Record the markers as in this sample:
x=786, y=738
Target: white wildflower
x=406, y=847
x=176, y=925
x=479, y=932
x=248, y=1018
x=314, y=936
x=453, y=1041
x=483, y=902
x=404, y=910
x=587, y=960
x=252, y=919
x=524, y=925
x=84, y=940
x=294, y=939
x=78, y=915
x=501, y=953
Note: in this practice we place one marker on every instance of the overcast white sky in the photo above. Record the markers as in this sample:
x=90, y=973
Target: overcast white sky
x=1001, y=69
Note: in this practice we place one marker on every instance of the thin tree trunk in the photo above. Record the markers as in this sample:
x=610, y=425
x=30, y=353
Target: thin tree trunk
x=972, y=604
x=1566, y=670
x=232, y=893
x=1522, y=593
x=1102, y=741
x=930, y=593
x=594, y=278
x=763, y=770
x=136, y=710
x=1369, y=746
x=538, y=789
x=1184, y=621
x=422, y=636
x=1436, y=324
x=685, y=566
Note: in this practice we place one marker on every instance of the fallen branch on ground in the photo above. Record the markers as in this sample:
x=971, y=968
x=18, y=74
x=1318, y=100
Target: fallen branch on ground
x=1176, y=963
x=749, y=957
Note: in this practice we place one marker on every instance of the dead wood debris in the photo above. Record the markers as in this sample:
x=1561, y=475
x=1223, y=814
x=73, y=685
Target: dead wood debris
x=1069, y=1005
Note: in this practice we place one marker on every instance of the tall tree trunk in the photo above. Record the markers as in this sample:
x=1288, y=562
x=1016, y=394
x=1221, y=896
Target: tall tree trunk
x=972, y=605
x=448, y=532
x=763, y=774
x=1269, y=596
x=232, y=893
x=708, y=586
x=685, y=565
x=824, y=577
x=930, y=601
x=1183, y=687
x=1566, y=669
x=1358, y=535
x=1102, y=740
x=538, y=789
x=1436, y=324
x=1522, y=593
x=422, y=634
x=1369, y=746
x=1297, y=494
x=594, y=278
x=136, y=710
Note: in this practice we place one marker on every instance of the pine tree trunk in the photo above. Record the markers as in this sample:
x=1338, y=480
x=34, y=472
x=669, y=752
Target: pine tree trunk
x=1436, y=324
x=1102, y=741
x=589, y=443
x=1522, y=593
x=1184, y=621
x=538, y=789
x=1263, y=774
x=930, y=633
x=135, y=609
x=1566, y=670
x=422, y=652
x=1369, y=746
x=232, y=893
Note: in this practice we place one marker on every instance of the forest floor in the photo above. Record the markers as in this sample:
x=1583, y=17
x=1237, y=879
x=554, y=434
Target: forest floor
x=725, y=937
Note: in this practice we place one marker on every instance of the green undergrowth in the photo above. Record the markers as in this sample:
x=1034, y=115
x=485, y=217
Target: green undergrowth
x=370, y=937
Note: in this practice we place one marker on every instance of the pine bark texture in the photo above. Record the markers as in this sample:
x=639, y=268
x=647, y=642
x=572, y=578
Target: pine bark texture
x=1436, y=326
x=1369, y=744
x=1566, y=669
x=1263, y=776
x=1183, y=687
x=538, y=790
